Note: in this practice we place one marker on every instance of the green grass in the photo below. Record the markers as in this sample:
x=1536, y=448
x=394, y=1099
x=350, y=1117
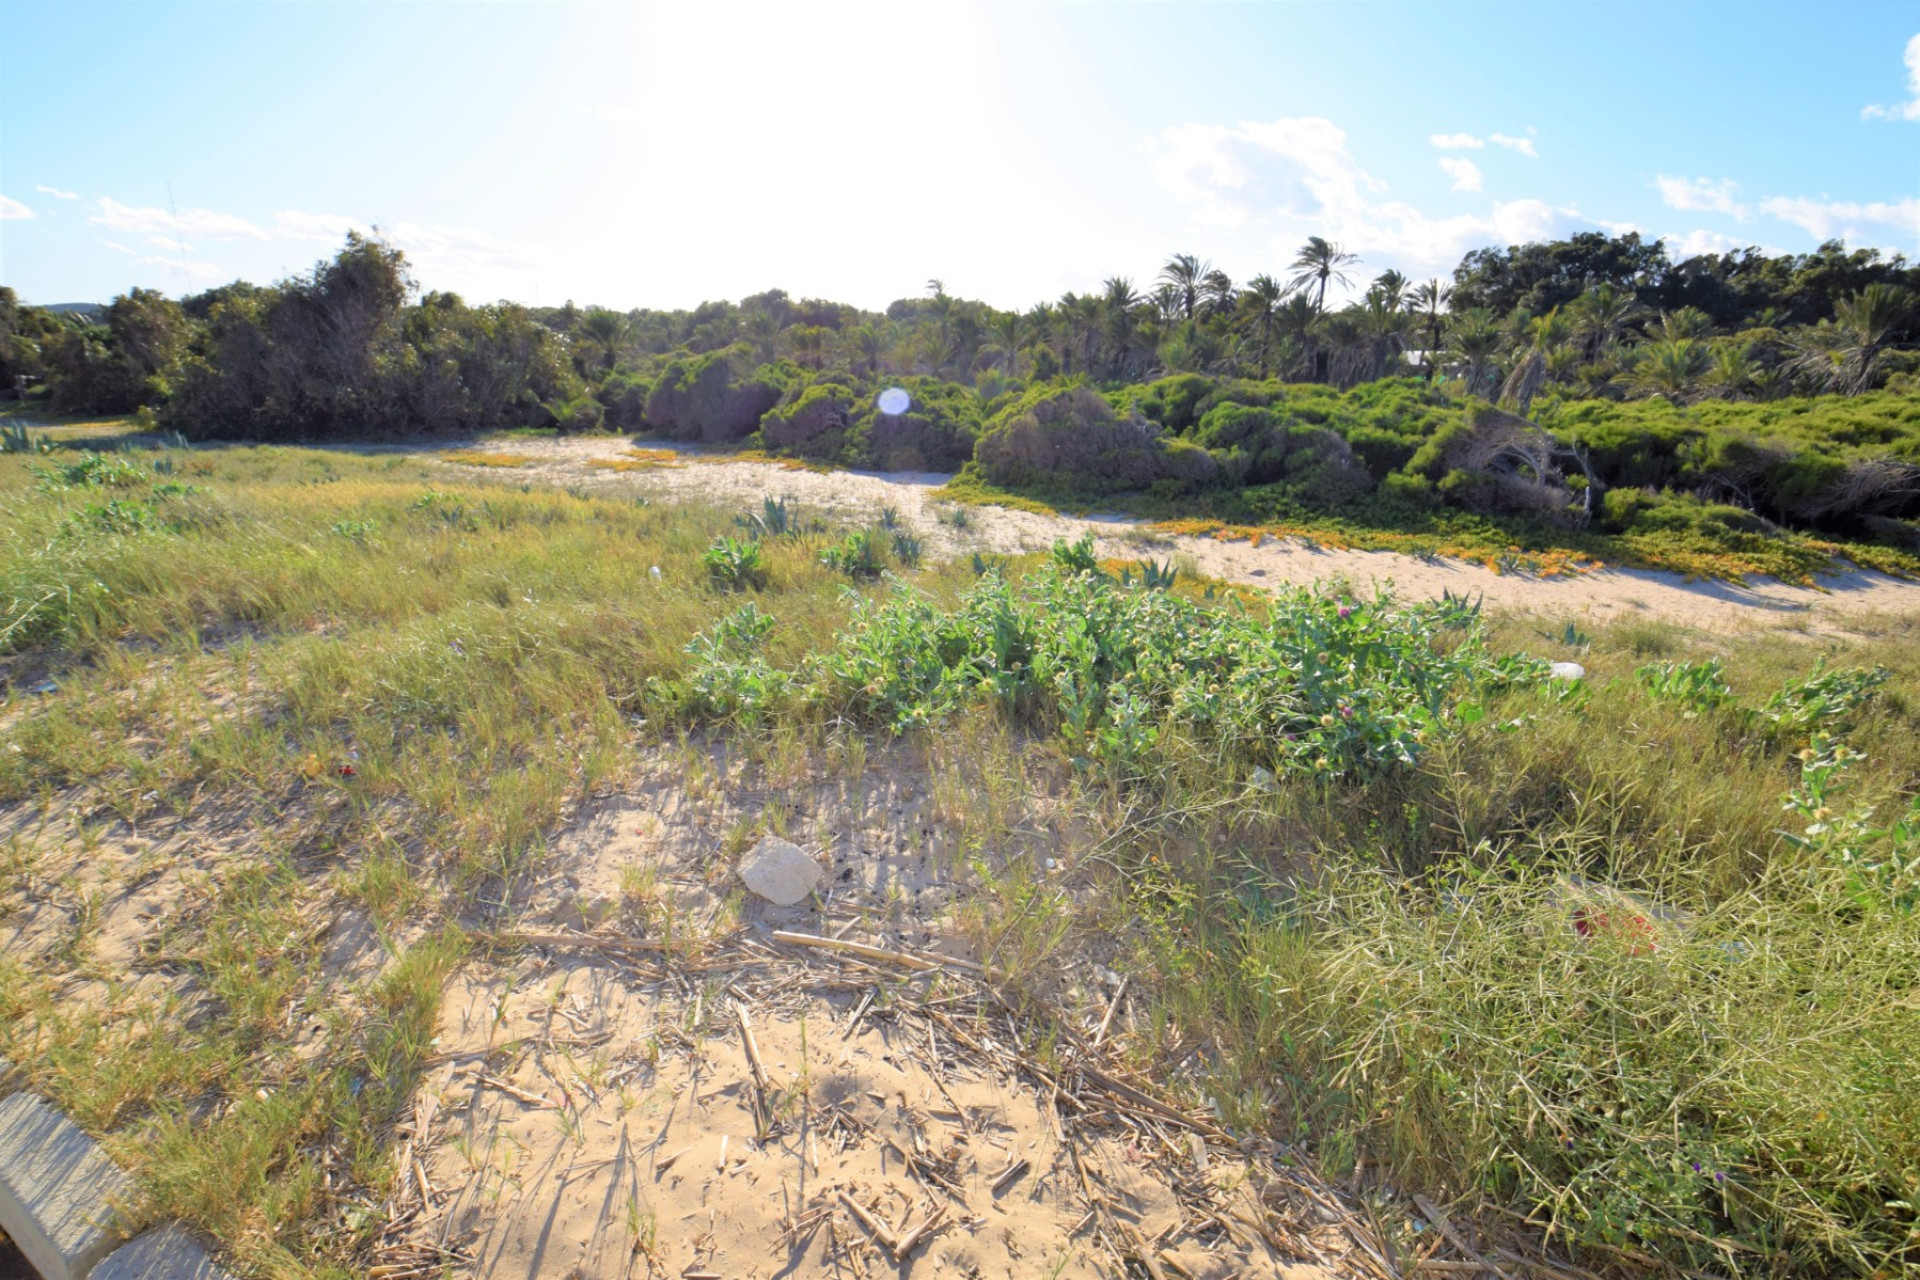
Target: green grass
x=1531, y=948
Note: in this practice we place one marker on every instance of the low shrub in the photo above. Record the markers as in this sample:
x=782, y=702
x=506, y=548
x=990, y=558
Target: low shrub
x=709, y=398
x=1071, y=439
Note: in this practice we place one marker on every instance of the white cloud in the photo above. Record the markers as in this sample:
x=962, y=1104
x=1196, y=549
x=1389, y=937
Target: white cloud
x=1456, y=141
x=1292, y=164
x=1700, y=195
x=441, y=256
x=1830, y=219
x=197, y=272
x=1464, y=172
x=1296, y=177
x=1910, y=109
x=1523, y=145
x=327, y=228
x=1692, y=244
x=11, y=210
x=200, y=222
x=56, y=192
x=117, y=248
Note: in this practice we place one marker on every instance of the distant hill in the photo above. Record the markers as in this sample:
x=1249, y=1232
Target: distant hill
x=93, y=311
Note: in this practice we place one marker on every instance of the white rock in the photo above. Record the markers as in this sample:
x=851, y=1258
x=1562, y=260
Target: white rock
x=1567, y=671
x=780, y=871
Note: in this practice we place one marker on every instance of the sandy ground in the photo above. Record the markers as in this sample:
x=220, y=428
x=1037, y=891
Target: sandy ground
x=1598, y=596
x=746, y=1107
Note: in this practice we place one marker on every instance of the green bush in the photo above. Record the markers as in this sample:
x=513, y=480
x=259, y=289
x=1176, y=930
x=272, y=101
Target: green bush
x=707, y=398
x=1071, y=439
x=814, y=424
x=936, y=433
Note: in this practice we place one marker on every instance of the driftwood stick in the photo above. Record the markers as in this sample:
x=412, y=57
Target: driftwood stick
x=1438, y=1217
x=515, y=1091
x=877, y=1229
x=1119, y=994
x=904, y=959
x=913, y=1239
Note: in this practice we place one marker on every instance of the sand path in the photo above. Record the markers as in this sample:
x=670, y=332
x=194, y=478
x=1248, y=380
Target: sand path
x=1600, y=596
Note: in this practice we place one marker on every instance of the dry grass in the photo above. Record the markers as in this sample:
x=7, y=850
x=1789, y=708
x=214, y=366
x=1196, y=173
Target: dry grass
x=482, y=458
x=286, y=730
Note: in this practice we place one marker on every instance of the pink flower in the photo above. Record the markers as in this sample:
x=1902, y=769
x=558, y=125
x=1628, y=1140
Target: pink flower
x=1346, y=611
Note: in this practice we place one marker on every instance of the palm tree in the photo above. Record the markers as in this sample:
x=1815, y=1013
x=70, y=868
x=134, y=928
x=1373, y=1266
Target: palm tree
x=1844, y=352
x=607, y=330
x=1216, y=292
x=1008, y=328
x=1265, y=293
x=1733, y=369
x=1602, y=317
x=1299, y=320
x=1318, y=262
x=1687, y=322
x=809, y=343
x=1392, y=286
x=1080, y=319
x=943, y=312
x=1544, y=334
x=1166, y=302
x=869, y=340
x=763, y=328
x=1119, y=302
x=1673, y=367
x=1474, y=342
x=1187, y=274
x=1426, y=300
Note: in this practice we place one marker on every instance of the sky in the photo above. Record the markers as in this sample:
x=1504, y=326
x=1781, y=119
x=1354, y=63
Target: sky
x=661, y=155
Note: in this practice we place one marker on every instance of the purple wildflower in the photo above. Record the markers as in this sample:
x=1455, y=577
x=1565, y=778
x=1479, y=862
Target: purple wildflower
x=1346, y=611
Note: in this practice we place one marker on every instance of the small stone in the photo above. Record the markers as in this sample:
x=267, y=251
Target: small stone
x=780, y=871
x=61, y=1199
x=1567, y=671
x=168, y=1253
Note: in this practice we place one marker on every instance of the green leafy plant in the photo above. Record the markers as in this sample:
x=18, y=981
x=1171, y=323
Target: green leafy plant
x=1698, y=686
x=1824, y=701
x=777, y=518
x=736, y=563
x=92, y=471
x=907, y=549
x=857, y=555
x=1882, y=864
x=1076, y=556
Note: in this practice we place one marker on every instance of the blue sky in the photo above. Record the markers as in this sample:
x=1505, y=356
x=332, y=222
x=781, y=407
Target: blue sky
x=639, y=155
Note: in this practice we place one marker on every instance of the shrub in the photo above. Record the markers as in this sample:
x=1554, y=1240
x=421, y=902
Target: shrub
x=936, y=433
x=705, y=398
x=624, y=397
x=1072, y=439
x=814, y=424
x=1260, y=446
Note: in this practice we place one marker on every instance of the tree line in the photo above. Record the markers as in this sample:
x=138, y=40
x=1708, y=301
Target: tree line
x=351, y=346
x=1589, y=381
